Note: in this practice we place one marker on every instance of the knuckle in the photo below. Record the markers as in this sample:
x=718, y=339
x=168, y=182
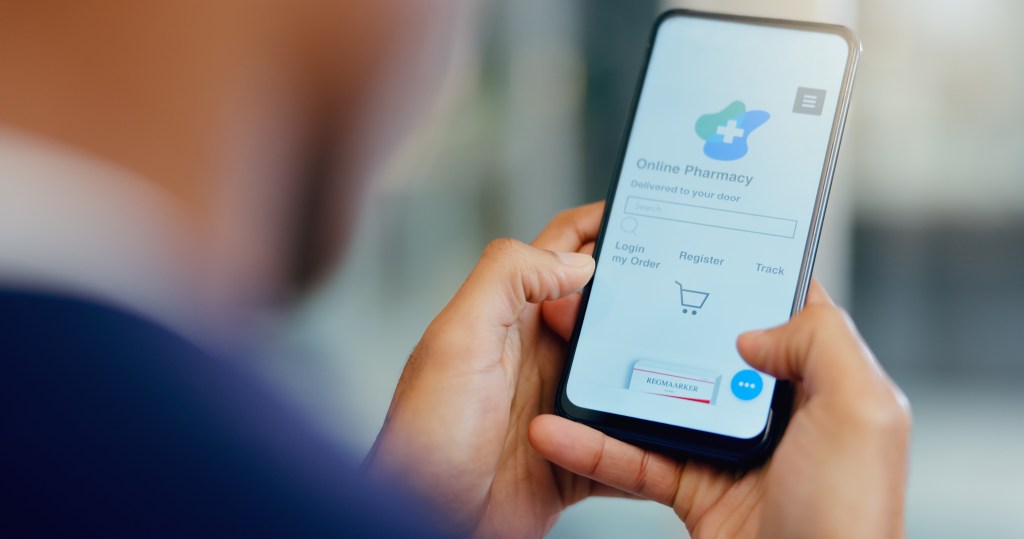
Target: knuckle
x=541, y=285
x=564, y=217
x=889, y=415
x=532, y=283
x=903, y=409
x=503, y=247
x=640, y=480
x=895, y=420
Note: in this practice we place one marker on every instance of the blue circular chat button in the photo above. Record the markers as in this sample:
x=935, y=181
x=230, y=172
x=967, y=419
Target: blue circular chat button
x=747, y=385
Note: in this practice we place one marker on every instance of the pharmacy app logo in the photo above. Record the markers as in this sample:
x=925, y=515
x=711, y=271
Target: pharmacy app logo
x=725, y=133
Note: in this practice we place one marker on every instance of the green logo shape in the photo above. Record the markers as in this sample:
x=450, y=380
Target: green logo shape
x=707, y=125
x=725, y=133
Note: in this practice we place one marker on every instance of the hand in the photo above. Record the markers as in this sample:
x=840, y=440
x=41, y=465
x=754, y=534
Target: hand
x=487, y=365
x=839, y=471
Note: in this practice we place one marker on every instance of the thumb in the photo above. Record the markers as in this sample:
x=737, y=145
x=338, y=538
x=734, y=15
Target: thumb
x=511, y=274
x=818, y=347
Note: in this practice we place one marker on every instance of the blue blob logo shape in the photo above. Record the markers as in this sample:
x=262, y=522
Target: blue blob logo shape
x=747, y=385
x=725, y=133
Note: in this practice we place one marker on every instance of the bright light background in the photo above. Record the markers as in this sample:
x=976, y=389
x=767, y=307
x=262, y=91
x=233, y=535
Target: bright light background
x=924, y=242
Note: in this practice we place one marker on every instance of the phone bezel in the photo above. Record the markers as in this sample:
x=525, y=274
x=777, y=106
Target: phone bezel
x=683, y=441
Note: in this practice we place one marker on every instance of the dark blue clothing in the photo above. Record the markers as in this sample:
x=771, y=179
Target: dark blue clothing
x=114, y=426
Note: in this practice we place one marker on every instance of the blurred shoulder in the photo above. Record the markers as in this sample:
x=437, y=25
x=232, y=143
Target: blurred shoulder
x=123, y=427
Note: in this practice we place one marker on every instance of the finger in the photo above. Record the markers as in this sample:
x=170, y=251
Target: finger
x=818, y=346
x=571, y=228
x=511, y=274
x=587, y=452
x=604, y=491
x=560, y=315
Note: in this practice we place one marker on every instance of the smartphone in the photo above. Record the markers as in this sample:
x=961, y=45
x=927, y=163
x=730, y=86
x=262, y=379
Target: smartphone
x=711, y=227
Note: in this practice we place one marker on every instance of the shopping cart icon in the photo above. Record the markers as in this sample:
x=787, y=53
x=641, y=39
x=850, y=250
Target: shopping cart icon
x=692, y=300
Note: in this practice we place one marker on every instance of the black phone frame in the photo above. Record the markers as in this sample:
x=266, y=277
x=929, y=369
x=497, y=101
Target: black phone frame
x=683, y=442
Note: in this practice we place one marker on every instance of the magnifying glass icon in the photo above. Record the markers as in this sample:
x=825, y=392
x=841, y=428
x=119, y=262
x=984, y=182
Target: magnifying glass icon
x=629, y=225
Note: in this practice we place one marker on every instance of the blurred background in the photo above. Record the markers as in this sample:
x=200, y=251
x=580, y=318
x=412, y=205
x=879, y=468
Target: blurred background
x=924, y=240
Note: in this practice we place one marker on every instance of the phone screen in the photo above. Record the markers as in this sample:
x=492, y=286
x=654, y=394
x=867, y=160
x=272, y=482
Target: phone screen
x=710, y=221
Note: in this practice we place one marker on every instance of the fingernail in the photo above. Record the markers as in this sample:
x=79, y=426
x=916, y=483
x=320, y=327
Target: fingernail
x=576, y=260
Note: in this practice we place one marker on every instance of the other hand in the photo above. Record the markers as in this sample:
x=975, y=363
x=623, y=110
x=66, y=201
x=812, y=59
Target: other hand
x=839, y=470
x=486, y=366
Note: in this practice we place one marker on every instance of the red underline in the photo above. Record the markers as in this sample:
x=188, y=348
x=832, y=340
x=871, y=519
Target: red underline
x=703, y=401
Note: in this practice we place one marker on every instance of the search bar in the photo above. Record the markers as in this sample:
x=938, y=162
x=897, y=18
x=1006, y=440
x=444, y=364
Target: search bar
x=713, y=217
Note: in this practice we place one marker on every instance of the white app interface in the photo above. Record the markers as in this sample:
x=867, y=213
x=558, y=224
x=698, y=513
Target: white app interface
x=709, y=223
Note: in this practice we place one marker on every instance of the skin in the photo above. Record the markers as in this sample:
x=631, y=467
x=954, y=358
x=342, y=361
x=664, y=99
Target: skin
x=471, y=428
x=225, y=108
x=217, y=105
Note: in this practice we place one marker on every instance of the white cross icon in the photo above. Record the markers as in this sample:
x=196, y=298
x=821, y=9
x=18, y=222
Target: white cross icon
x=729, y=131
